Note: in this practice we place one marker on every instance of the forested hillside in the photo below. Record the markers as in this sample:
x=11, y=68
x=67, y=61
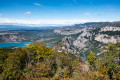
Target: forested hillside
x=39, y=62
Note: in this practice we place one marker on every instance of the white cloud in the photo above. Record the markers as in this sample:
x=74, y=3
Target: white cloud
x=47, y=22
x=37, y=4
x=27, y=13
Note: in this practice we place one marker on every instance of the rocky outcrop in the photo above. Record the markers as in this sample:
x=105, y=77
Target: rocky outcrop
x=66, y=46
x=110, y=28
x=104, y=38
x=81, y=41
x=67, y=31
x=11, y=38
x=91, y=37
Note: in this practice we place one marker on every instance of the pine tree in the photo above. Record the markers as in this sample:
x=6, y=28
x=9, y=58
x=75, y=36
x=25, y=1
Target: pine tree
x=91, y=59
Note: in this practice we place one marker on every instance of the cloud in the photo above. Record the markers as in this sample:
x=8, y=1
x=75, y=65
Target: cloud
x=1, y=14
x=27, y=13
x=37, y=4
x=46, y=22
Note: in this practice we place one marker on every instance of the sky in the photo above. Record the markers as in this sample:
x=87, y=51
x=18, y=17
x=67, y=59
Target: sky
x=58, y=12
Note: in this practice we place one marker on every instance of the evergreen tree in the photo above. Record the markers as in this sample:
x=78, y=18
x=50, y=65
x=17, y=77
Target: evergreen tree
x=91, y=59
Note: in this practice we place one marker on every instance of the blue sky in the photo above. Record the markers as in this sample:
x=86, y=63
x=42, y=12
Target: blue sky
x=58, y=12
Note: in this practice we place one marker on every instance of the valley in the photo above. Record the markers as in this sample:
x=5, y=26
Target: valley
x=75, y=39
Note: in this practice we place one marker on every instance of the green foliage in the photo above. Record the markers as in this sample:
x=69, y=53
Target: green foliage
x=97, y=76
x=64, y=65
x=38, y=70
x=39, y=50
x=37, y=61
x=14, y=64
x=91, y=60
x=3, y=56
x=109, y=63
x=118, y=75
x=103, y=69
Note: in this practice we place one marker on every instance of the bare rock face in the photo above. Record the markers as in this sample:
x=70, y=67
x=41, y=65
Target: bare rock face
x=12, y=38
x=110, y=28
x=67, y=31
x=66, y=46
x=107, y=39
x=68, y=41
x=81, y=41
x=90, y=38
x=89, y=34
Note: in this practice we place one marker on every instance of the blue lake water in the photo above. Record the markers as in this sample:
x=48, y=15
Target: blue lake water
x=50, y=45
x=15, y=44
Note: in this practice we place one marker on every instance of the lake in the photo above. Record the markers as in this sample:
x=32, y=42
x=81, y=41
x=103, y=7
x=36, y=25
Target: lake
x=15, y=44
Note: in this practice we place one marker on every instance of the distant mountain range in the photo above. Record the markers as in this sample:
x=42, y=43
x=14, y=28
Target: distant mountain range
x=25, y=27
x=89, y=24
x=75, y=39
